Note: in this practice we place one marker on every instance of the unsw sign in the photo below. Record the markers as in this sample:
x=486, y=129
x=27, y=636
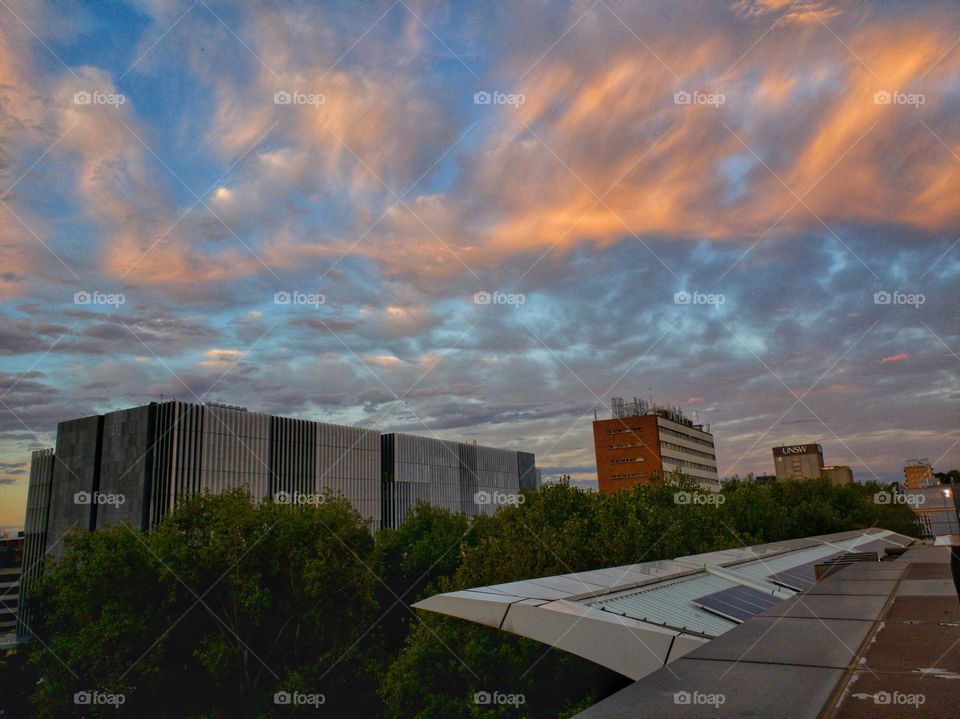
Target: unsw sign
x=796, y=449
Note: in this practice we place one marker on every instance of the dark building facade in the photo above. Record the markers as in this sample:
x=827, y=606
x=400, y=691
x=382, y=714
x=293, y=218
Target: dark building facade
x=459, y=476
x=135, y=465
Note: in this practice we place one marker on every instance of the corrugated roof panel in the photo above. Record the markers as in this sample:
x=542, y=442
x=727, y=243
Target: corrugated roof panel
x=671, y=604
x=765, y=568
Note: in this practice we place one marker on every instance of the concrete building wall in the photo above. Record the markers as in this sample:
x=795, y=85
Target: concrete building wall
x=76, y=471
x=800, y=461
x=35, y=527
x=839, y=474
x=348, y=463
x=688, y=450
x=527, y=469
x=234, y=451
x=126, y=439
x=421, y=469
x=498, y=475
x=447, y=474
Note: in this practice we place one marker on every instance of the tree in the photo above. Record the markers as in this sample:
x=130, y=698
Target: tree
x=226, y=603
x=561, y=530
x=951, y=477
x=17, y=682
x=411, y=559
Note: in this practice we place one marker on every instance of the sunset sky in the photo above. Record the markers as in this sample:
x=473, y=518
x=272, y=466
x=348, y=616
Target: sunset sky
x=778, y=163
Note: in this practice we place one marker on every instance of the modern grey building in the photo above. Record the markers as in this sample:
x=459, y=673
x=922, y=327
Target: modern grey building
x=135, y=465
x=936, y=507
x=458, y=476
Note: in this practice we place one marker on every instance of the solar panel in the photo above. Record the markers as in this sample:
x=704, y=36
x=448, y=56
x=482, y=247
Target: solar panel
x=738, y=603
x=798, y=578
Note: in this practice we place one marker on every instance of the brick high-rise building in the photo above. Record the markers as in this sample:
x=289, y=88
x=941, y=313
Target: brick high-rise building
x=639, y=443
x=918, y=473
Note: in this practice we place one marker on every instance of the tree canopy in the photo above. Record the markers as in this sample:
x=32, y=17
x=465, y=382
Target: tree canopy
x=243, y=609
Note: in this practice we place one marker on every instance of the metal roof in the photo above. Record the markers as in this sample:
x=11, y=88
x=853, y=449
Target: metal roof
x=635, y=618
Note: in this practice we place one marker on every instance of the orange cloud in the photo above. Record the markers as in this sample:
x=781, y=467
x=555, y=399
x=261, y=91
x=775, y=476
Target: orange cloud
x=896, y=358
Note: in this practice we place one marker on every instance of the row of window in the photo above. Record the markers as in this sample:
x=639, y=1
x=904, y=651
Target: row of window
x=625, y=446
x=678, y=448
x=628, y=460
x=685, y=463
x=689, y=438
x=633, y=475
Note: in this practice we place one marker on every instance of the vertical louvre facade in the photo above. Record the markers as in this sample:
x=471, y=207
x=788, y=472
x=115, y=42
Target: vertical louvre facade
x=157, y=455
x=35, y=528
x=449, y=475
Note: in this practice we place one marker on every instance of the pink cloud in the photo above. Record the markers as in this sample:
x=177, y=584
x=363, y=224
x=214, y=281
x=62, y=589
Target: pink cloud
x=896, y=358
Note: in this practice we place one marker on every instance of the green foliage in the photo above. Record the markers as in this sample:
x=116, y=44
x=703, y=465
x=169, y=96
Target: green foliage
x=411, y=559
x=951, y=477
x=561, y=530
x=229, y=601
x=17, y=682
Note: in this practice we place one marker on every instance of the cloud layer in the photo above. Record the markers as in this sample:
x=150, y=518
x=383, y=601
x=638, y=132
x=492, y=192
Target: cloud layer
x=484, y=221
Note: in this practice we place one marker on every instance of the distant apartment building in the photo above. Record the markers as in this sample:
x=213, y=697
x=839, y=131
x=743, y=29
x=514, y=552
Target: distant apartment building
x=918, y=473
x=798, y=461
x=11, y=567
x=641, y=442
x=837, y=474
x=135, y=465
x=458, y=476
x=937, y=510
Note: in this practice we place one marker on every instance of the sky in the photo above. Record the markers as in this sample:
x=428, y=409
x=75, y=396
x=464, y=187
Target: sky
x=481, y=221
